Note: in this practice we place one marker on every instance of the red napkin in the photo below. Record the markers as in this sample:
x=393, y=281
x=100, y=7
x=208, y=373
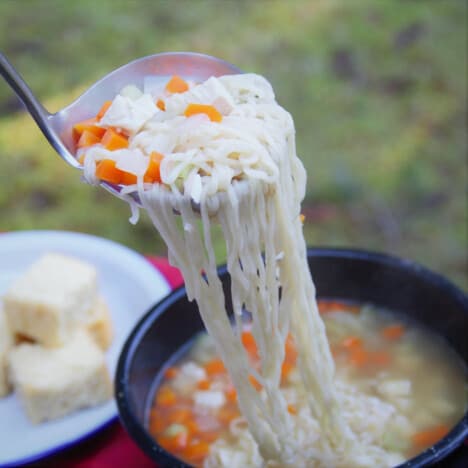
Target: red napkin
x=111, y=447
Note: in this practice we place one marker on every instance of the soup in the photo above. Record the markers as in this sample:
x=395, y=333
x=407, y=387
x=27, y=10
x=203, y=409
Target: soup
x=400, y=366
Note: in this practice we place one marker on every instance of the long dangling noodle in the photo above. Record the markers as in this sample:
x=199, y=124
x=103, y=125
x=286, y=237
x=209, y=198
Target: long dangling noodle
x=243, y=175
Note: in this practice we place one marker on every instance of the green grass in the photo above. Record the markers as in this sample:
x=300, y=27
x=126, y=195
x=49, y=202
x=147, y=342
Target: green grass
x=377, y=91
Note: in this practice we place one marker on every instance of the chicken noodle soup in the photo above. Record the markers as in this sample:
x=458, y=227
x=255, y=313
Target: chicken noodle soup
x=221, y=155
x=399, y=370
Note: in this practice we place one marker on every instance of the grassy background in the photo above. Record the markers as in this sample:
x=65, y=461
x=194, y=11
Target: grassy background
x=377, y=90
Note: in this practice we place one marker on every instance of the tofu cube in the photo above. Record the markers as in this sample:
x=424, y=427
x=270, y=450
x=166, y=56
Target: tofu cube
x=51, y=298
x=54, y=382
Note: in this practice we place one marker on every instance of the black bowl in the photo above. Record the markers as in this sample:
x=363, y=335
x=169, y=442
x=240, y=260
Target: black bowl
x=338, y=274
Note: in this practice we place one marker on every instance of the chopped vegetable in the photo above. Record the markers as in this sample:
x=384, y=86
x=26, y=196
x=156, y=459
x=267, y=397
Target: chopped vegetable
x=352, y=342
x=87, y=138
x=255, y=383
x=430, y=436
x=90, y=126
x=166, y=397
x=210, y=111
x=215, y=366
x=292, y=409
x=106, y=170
x=103, y=110
x=160, y=104
x=393, y=332
x=153, y=173
x=196, y=451
x=333, y=306
x=171, y=372
x=177, y=85
x=113, y=140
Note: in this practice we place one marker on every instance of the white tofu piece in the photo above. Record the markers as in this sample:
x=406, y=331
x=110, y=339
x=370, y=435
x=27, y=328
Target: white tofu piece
x=129, y=114
x=51, y=298
x=209, y=399
x=6, y=341
x=54, y=382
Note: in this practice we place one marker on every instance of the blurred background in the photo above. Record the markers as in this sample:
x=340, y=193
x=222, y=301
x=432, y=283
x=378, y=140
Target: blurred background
x=377, y=90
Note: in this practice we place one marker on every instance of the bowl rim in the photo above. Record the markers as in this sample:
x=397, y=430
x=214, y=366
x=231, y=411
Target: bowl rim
x=141, y=436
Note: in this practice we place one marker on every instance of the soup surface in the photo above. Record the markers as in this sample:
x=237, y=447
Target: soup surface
x=405, y=370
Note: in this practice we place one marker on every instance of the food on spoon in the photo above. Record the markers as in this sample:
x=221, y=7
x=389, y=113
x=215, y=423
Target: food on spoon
x=6, y=342
x=54, y=382
x=51, y=298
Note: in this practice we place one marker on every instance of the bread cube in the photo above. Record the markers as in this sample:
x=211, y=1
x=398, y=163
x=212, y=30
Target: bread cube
x=54, y=382
x=6, y=342
x=51, y=298
x=100, y=324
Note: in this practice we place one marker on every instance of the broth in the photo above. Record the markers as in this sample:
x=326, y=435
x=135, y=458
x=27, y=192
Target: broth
x=377, y=353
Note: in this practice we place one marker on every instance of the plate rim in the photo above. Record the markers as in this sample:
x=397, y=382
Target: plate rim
x=113, y=415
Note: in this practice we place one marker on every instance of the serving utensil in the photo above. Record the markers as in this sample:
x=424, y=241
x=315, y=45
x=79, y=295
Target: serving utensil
x=57, y=127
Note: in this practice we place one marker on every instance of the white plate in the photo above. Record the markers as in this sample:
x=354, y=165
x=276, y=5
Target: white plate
x=130, y=286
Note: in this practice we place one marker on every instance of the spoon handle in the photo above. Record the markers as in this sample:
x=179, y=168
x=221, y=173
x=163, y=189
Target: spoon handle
x=22, y=90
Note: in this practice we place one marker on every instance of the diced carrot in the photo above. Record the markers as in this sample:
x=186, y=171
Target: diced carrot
x=286, y=369
x=352, y=342
x=175, y=443
x=332, y=306
x=128, y=178
x=157, y=422
x=192, y=426
x=153, y=173
x=90, y=126
x=210, y=111
x=208, y=436
x=215, y=366
x=103, y=110
x=87, y=138
x=106, y=170
x=290, y=350
x=358, y=357
x=166, y=397
x=226, y=414
x=171, y=372
x=204, y=384
x=292, y=409
x=113, y=140
x=250, y=344
x=177, y=85
x=179, y=415
x=160, y=104
x=380, y=358
x=302, y=218
x=231, y=394
x=393, y=332
x=255, y=383
x=196, y=451
x=430, y=436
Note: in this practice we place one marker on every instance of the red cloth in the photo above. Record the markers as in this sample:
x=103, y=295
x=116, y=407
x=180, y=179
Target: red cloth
x=111, y=447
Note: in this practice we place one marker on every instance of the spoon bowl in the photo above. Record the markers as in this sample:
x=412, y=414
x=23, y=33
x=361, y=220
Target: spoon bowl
x=57, y=127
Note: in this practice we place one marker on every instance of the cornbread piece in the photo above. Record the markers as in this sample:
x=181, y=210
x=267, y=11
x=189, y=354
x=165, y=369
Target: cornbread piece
x=51, y=298
x=100, y=324
x=5, y=344
x=53, y=382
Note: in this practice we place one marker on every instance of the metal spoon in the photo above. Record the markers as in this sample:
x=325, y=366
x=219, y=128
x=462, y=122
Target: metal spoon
x=57, y=128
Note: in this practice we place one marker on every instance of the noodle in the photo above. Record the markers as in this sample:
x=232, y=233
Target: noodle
x=243, y=175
